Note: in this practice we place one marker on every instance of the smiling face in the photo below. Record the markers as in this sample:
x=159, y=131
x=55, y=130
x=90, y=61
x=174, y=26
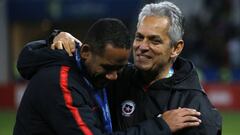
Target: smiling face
x=151, y=47
x=104, y=68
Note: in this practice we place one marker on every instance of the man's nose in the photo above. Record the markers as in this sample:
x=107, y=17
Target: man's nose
x=144, y=45
x=112, y=75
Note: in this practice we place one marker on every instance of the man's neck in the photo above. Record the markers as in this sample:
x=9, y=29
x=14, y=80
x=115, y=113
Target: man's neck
x=152, y=76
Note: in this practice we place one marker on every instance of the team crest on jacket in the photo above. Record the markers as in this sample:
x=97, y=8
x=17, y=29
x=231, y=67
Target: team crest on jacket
x=128, y=108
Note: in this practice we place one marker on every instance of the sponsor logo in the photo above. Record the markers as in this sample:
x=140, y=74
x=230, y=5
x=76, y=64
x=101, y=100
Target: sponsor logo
x=128, y=108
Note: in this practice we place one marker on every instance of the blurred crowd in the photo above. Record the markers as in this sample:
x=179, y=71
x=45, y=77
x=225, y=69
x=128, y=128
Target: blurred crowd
x=212, y=33
x=212, y=40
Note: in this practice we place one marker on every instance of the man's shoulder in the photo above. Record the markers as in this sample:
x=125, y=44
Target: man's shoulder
x=198, y=99
x=47, y=74
x=53, y=73
x=59, y=77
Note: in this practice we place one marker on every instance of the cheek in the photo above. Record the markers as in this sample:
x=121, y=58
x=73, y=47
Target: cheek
x=94, y=69
x=157, y=50
x=159, y=55
x=161, y=58
x=161, y=52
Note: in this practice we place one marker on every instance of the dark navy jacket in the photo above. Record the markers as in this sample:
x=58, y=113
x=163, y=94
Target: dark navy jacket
x=134, y=101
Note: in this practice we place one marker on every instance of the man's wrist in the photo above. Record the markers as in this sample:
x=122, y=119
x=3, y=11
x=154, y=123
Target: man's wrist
x=163, y=124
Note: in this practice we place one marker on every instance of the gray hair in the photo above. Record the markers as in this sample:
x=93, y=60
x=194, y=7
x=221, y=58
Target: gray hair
x=169, y=10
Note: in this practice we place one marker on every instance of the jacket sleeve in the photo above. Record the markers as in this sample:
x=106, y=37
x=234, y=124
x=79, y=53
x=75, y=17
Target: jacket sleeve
x=65, y=109
x=211, y=118
x=35, y=55
x=156, y=126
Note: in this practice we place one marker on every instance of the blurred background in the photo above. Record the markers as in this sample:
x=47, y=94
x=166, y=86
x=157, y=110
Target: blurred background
x=212, y=42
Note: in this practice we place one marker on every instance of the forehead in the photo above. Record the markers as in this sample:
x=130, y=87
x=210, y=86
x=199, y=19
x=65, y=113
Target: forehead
x=153, y=25
x=113, y=55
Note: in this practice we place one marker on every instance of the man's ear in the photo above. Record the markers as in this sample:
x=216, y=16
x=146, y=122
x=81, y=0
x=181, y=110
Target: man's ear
x=177, y=49
x=85, y=51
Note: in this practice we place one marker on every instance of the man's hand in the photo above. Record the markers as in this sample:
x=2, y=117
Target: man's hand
x=181, y=118
x=65, y=41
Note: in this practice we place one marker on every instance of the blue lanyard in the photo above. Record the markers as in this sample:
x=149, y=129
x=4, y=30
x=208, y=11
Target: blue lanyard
x=103, y=103
x=105, y=109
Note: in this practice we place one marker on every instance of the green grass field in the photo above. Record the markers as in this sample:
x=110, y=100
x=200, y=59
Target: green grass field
x=7, y=120
x=231, y=122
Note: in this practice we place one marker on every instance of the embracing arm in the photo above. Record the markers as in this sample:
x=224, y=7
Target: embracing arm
x=37, y=54
x=26, y=63
x=34, y=56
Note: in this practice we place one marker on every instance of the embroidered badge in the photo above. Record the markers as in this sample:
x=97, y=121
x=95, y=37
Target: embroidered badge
x=128, y=108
